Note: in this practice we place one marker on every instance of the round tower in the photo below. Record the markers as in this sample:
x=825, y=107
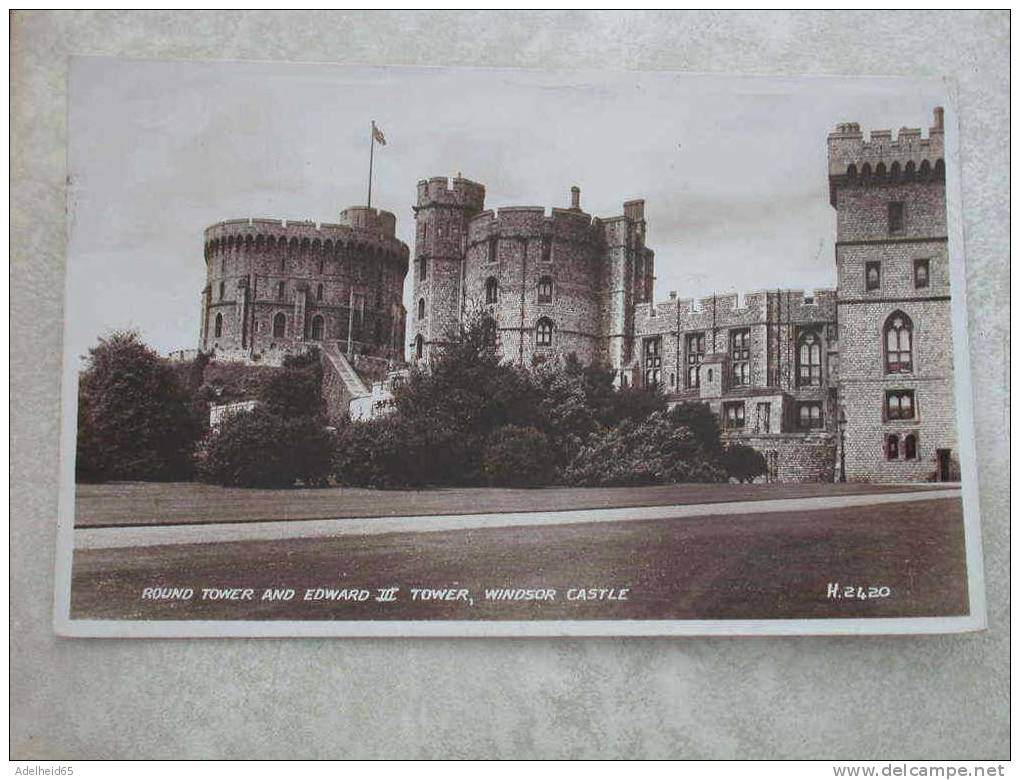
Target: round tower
x=274, y=287
x=538, y=277
x=442, y=213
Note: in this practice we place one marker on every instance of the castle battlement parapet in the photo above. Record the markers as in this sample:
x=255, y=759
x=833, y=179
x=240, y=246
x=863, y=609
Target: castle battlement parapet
x=881, y=156
x=460, y=193
x=363, y=227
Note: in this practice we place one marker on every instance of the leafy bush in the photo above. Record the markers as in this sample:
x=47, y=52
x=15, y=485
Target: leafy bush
x=263, y=449
x=644, y=452
x=518, y=457
x=376, y=453
x=294, y=392
x=743, y=463
x=135, y=420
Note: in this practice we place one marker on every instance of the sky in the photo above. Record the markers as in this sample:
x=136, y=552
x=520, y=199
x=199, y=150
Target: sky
x=732, y=169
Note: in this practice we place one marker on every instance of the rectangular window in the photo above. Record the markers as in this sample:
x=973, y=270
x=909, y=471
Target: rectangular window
x=922, y=268
x=653, y=361
x=899, y=405
x=493, y=249
x=546, y=250
x=809, y=415
x=695, y=354
x=763, y=418
x=872, y=275
x=281, y=290
x=733, y=415
x=895, y=217
x=423, y=269
x=740, y=356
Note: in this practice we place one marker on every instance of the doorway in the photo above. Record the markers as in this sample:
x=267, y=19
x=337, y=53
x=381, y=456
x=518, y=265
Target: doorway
x=944, y=465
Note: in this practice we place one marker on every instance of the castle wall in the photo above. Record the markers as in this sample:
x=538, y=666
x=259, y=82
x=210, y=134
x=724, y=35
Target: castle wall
x=260, y=269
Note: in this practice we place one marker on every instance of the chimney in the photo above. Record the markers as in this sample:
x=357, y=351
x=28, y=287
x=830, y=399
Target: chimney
x=575, y=198
x=672, y=295
x=939, y=118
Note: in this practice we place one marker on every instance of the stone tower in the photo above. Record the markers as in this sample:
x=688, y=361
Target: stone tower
x=442, y=214
x=893, y=298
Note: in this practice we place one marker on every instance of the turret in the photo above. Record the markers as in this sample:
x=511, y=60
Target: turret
x=442, y=213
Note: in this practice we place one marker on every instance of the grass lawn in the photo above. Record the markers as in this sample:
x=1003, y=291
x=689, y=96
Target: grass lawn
x=773, y=565
x=144, y=503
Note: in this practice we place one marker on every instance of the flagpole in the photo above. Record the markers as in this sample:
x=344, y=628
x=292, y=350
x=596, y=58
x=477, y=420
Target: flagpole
x=371, y=153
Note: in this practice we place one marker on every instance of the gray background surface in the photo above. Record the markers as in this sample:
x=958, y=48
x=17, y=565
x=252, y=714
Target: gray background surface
x=906, y=697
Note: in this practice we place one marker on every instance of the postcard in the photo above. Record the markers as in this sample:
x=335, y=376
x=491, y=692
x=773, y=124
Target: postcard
x=357, y=351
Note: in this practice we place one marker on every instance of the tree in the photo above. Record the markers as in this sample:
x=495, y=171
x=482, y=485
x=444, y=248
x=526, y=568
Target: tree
x=135, y=420
x=263, y=449
x=743, y=463
x=651, y=451
x=296, y=389
x=519, y=457
x=701, y=421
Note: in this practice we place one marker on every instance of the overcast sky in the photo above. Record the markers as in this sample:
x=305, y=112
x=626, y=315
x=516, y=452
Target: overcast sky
x=733, y=170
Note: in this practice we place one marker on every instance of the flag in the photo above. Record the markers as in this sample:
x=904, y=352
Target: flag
x=378, y=135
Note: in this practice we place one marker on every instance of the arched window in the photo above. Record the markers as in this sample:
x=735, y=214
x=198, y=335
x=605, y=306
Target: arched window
x=318, y=293
x=809, y=360
x=491, y=290
x=280, y=325
x=545, y=289
x=892, y=447
x=421, y=309
x=219, y=325
x=544, y=332
x=419, y=346
x=898, y=342
x=910, y=447
x=318, y=324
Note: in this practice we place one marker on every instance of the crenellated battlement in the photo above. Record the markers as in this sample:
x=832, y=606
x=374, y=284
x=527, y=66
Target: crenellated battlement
x=460, y=193
x=881, y=157
x=533, y=222
x=359, y=226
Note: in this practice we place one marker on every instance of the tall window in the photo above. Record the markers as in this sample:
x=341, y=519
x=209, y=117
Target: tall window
x=222, y=289
x=899, y=405
x=872, y=275
x=653, y=361
x=281, y=290
x=899, y=352
x=219, y=325
x=910, y=447
x=921, y=272
x=423, y=269
x=809, y=415
x=545, y=289
x=419, y=346
x=763, y=420
x=280, y=325
x=892, y=446
x=546, y=250
x=491, y=290
x=809, y=360
x=733, y=414
x=492, y=249
x=317, y=327
x=695, y=354
x=544, y=332
x=421, y=309
x=895, y=217
x=318, y=293
x=740, y=356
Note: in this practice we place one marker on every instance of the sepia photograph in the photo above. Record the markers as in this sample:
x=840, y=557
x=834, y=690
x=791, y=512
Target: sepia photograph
x=381, y=351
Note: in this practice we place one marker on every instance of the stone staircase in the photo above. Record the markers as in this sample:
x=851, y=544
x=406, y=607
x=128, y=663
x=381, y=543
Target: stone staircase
x=341, y=383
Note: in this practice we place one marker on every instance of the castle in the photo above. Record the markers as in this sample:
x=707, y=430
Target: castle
x=854, y=383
